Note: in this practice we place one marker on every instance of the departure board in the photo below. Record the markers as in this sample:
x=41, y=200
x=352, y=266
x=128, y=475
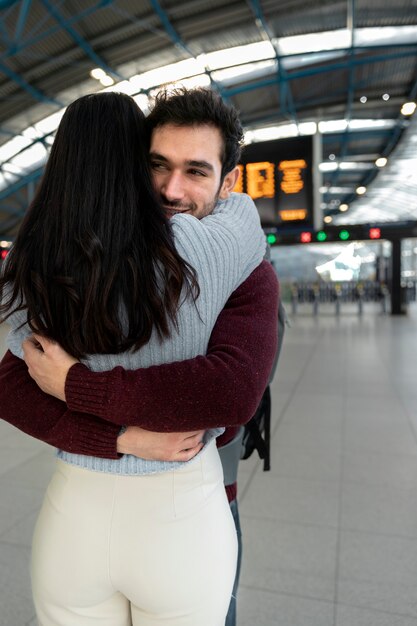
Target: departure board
x=278, y=175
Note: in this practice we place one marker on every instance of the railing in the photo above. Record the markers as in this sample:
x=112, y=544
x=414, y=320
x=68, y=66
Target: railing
x=339, y=294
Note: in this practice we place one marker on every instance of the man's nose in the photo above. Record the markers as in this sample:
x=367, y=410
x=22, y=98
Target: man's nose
x=173, y=187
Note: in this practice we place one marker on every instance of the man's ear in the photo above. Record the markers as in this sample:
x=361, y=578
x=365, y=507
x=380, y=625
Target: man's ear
x=229, y=183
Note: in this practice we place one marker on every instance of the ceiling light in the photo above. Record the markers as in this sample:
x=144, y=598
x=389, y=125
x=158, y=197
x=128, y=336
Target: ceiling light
x=385, y=96
x=327, y=167
x=362, y=124
x=343, y=207
x=107, y=81
x=332, y=126
x=336, y=190
x=363, y=99
x=408, y=108
x=360, y=190
x=381, y=162
x=332, y=157
x=97, y=73
x=328, y=219
x=354, y=165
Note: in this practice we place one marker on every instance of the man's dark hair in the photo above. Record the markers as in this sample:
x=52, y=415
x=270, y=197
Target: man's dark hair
x=189, y=107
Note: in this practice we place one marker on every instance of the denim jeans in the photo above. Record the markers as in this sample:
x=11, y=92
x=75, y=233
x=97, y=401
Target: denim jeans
x=231, y=614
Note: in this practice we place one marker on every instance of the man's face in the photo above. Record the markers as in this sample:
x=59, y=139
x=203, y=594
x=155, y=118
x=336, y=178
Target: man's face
x=186, y=168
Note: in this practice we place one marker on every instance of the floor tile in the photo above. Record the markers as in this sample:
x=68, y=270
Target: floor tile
x=391, y=470
x=35, y=472
x=268, y=609
x=373, y=434
x=321, y=433
x=16, y=603
x=16, y=503
x=379, y=509
x=378, y=572
x=352, y=616
x=289, y=558
x=292, y=500
x=306, y=462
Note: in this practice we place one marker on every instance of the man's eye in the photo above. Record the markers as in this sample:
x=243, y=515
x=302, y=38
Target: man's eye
x=157, y=166
x=197, y=173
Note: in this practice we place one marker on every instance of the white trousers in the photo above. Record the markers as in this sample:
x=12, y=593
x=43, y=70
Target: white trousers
x=116, y=550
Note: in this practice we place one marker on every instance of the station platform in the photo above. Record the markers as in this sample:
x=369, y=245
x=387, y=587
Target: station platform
x=330, y=533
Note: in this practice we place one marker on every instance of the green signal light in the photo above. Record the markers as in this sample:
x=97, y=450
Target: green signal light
x=344, y=235
x=321, y=236
x=271, y=239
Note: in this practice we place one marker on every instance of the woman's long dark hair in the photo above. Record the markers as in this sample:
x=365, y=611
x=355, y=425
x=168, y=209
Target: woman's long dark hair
x=94, y=261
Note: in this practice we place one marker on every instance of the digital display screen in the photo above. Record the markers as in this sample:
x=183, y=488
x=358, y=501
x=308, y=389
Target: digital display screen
x=278, y=176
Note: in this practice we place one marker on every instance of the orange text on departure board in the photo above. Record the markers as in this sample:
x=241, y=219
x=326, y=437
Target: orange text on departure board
x=292, y=177
x=293, y=215
x=260, y=180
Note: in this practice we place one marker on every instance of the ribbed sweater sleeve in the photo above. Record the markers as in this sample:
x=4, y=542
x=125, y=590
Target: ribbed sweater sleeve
x=228, y=242
x=222, y=388
x=242, y=343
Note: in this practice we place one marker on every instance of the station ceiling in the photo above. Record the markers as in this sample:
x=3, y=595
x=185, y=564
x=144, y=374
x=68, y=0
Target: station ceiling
x=349, y=65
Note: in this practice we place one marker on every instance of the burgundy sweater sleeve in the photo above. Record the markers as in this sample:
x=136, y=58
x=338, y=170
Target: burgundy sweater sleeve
x=25, y=406
x=222, y=388
x=244, y=338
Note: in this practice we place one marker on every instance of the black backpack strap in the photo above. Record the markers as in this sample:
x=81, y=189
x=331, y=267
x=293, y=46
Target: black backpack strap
x=262, y=443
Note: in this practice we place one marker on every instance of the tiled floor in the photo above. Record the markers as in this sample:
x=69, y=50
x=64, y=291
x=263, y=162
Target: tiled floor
x=330, y=534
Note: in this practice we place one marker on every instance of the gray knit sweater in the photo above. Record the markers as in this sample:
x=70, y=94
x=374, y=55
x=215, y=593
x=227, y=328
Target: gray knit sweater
x=224, y=248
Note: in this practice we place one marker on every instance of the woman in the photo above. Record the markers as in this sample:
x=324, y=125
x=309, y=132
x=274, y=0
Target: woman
x=95, y=267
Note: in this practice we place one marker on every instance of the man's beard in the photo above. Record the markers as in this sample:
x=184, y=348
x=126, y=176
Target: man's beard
x=190, y=208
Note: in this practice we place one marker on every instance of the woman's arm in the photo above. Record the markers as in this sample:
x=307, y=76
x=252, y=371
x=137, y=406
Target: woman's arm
x=187, y=395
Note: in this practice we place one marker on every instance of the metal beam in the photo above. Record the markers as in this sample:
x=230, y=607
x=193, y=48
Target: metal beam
x=356, y=134
x=51, y=31
x=177, y=41
x=22, y=182
x=286, y=99
x=342, y=65
x=4, y=35
x=350, y=94
x=23, y=13
x=169, y=29
x=35, y=93
x=80, y=41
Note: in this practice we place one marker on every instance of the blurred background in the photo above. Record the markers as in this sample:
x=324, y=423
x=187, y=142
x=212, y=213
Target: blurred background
x=327, y=94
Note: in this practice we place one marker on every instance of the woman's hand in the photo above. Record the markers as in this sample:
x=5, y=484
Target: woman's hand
x=48, y=364
x=160, y=446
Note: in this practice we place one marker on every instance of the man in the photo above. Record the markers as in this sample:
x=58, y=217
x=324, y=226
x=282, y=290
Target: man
x=195, y=144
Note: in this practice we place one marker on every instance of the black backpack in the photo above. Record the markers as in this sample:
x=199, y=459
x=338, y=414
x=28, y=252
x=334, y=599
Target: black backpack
x=257, y=432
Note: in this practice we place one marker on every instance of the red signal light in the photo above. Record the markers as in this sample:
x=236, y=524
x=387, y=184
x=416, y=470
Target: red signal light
x=3, y=254
x=305, y=237
x=374, y=233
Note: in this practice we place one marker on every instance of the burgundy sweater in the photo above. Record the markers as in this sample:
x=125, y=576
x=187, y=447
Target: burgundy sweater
x=222, y=388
